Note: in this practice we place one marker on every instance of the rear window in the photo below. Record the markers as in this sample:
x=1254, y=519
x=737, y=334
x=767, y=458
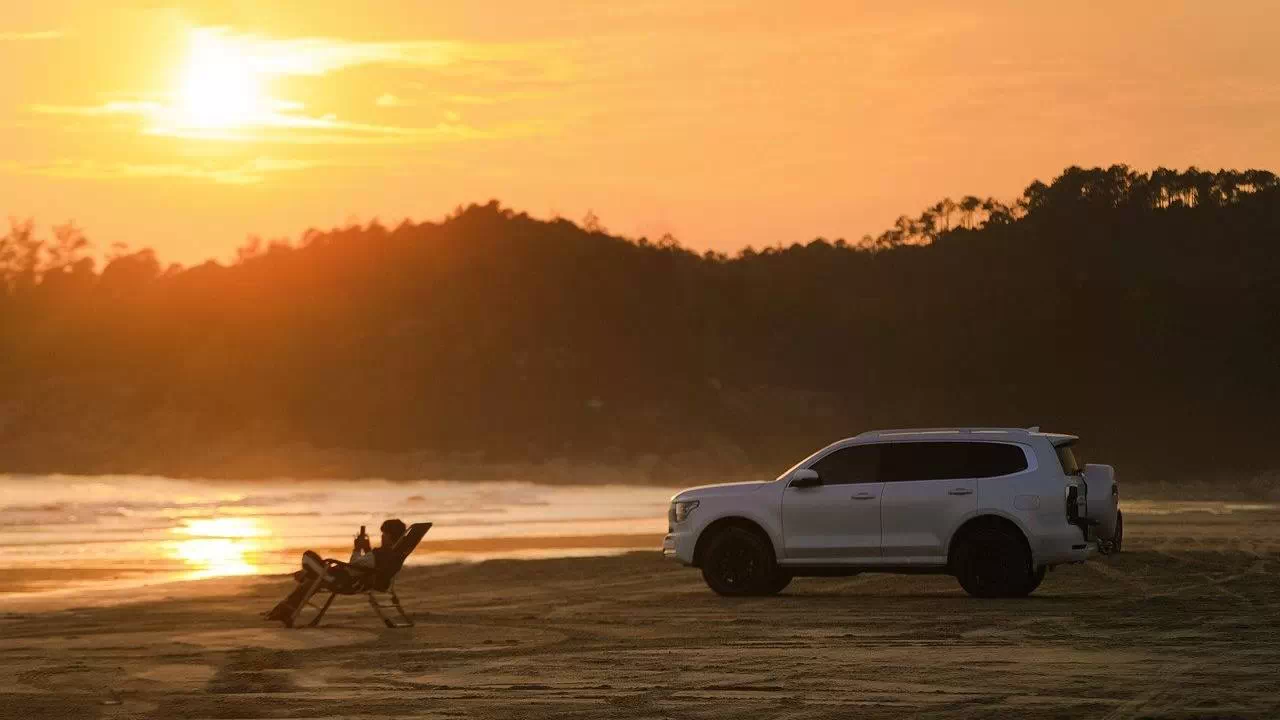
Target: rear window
x=1067, y=458
x=908, y=461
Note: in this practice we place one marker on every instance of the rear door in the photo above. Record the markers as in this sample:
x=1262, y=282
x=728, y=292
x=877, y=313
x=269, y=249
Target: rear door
x=930, y=488
x=839, y=520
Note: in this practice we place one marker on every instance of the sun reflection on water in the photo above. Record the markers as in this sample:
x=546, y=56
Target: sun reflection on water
x=219, y=547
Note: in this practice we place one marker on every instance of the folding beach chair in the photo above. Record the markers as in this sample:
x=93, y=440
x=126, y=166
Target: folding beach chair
x=377, y=584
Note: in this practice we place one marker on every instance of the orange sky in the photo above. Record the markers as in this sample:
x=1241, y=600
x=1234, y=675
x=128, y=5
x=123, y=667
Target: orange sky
x=188, y=127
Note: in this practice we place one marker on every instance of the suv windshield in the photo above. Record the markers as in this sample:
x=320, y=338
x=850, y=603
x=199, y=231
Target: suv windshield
x=792, y=469
x=1067, y=458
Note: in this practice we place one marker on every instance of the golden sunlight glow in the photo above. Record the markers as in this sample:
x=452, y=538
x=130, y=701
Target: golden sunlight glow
x=215, y=558
x=219, y=547
x=221, y=88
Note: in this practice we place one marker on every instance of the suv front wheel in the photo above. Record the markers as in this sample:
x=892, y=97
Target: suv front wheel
x=740, y=562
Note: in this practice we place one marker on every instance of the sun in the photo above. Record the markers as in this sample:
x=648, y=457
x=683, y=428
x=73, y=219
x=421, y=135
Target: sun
x=220, y=89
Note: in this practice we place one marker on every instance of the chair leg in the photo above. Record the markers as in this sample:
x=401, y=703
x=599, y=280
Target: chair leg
x=405, y=620
x=397, y=619
x=316, y=620
x=305, y=600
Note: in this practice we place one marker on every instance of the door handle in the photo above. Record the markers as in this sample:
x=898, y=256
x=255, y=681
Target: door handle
x=862, y=496
x=960, y=491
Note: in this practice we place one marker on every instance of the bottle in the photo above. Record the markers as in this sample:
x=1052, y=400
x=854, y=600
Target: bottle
x=362, y=541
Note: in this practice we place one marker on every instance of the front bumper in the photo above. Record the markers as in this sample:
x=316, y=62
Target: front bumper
x=679, y=545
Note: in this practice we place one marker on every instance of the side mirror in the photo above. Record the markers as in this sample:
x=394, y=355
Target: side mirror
x=805, y=478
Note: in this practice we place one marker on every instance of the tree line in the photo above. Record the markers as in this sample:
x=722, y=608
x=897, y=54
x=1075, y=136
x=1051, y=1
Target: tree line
x=1139, y=310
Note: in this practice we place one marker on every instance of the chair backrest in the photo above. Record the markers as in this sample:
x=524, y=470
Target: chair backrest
x=387, y=566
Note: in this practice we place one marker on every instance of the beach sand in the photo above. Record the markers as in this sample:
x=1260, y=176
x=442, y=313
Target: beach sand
x=1185, y=623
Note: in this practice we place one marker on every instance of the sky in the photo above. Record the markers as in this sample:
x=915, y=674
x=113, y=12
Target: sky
x=188, y=127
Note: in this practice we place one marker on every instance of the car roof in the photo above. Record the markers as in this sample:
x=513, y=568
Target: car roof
x=965, y=433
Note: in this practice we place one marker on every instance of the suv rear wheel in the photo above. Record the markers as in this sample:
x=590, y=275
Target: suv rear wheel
x=781, y=578
x=740, y=562
x=993, y=562
x=1033, y=582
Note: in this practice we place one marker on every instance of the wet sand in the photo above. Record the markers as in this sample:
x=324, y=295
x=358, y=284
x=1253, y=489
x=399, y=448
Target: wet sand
x=1186, y=623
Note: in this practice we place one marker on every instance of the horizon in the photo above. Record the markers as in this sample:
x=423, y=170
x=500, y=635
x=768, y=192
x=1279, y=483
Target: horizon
x=727, y=126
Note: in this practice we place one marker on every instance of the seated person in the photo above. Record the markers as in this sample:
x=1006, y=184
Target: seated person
x=365, y=562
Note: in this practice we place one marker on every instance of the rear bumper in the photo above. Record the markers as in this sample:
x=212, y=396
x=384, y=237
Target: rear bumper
x=1063, y=545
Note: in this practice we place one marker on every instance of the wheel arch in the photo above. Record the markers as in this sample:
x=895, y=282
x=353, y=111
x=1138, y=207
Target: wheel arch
x=715, y=526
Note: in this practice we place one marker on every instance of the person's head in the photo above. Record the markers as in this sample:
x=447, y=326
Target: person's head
x=392, y=531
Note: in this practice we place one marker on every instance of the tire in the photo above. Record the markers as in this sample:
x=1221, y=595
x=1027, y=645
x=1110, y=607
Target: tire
x=780, y=580
x=1036, y=578
x=739, y=562
x=994, y=562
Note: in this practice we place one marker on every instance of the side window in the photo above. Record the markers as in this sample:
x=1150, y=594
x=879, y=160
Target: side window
x=907, y=461
x=995, y=459
x=857, y=464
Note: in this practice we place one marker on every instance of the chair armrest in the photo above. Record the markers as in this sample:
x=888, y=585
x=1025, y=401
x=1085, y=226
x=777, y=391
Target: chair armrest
x=359, y=569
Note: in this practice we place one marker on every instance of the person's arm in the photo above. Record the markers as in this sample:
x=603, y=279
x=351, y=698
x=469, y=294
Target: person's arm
x=361, y=550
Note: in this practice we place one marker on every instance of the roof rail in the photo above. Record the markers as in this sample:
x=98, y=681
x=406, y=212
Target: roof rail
x=942, y=430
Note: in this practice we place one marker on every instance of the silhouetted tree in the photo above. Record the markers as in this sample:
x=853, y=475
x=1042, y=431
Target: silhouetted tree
x=1137, y=309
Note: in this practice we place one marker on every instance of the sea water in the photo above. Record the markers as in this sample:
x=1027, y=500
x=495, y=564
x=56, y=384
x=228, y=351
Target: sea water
x=62, y=531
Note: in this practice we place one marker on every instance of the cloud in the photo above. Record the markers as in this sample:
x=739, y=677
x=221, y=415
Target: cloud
x=319, y=56
x=321, y=131
x=285, y=127
x=36, y=35
x=388, y=100
x=105, y=109
x=473, y=99
x=323, y=55
x=249, y=173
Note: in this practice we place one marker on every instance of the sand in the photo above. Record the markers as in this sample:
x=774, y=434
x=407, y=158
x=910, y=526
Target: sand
x=1186, y=623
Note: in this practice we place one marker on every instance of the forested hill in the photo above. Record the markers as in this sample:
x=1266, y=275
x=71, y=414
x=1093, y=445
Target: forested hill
x=1141, y=311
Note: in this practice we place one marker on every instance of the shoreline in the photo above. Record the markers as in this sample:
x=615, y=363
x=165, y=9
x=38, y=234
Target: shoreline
x=29, y=584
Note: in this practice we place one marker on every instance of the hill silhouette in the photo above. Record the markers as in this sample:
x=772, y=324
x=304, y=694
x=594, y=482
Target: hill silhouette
x=1139, y=310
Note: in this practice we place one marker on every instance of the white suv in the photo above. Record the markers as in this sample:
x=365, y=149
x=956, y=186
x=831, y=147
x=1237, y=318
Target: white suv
x=994, y=507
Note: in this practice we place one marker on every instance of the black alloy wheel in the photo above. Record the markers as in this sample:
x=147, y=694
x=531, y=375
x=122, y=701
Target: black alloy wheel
x=738, y=562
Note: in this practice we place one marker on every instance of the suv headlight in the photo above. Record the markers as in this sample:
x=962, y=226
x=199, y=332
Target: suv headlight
x=681, y=509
